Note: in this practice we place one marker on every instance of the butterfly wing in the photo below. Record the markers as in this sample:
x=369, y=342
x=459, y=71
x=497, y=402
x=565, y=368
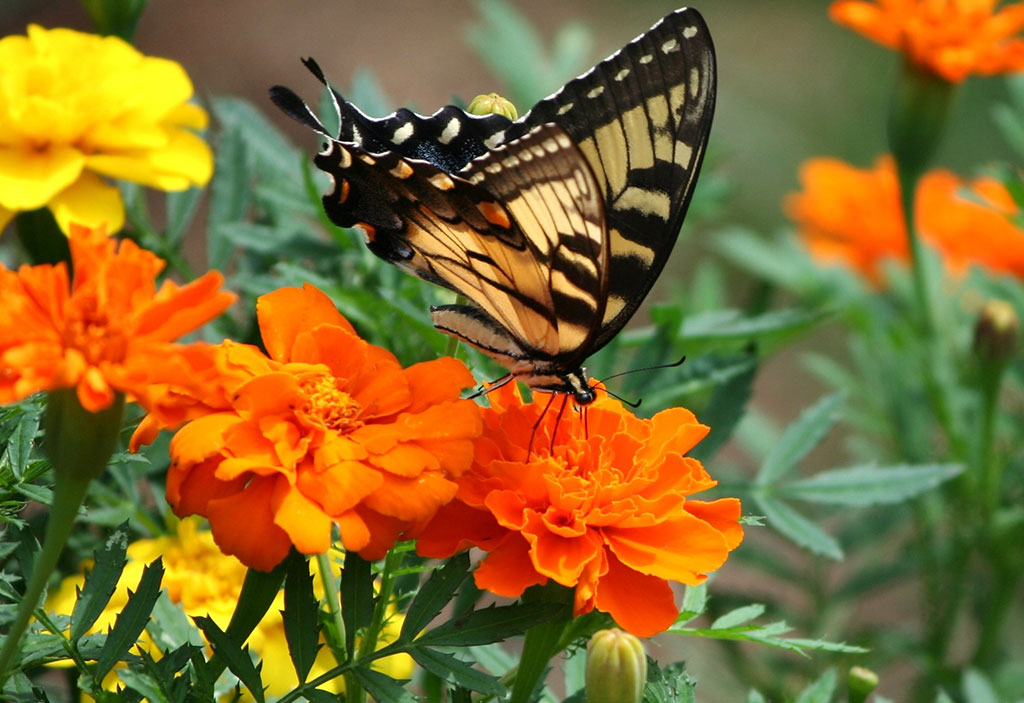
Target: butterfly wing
x=641, y=118
x=519, y=232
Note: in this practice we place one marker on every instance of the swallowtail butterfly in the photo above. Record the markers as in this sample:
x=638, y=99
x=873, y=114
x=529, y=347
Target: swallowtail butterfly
x=554, y=226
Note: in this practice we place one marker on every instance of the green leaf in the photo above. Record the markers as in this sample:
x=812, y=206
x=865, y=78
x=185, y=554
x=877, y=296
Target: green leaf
x=301, y=617
x=669, y=685
x=235, y=658
x=356, y=597
x=870, y=485
x=720, y=326
x=943, y=697
x=318, y=696
x=978, y=689
x=434, y=595
x=181, y=210
x=800, y=438
x=739, y=616
x=756, y=697
x=383, y=688
x=132, y=620
x=100, y=582
x=724, y=411
x=799, y=529
x=821, y=690
x=21, y=440
x=492, y=624
x=144, y=684
x=695, y=601
x=457, y=672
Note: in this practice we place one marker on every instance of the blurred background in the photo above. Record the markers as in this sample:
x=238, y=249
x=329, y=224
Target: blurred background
x=792, y=85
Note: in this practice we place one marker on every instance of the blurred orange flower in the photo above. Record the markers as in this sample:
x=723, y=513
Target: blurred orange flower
x=605, y=509
x=328, y=430
x=852, y=215
x=951, y=38
x=108, y=330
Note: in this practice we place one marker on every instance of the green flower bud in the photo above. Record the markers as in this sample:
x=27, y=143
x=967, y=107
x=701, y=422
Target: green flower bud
x=616, y=667
x=492, y=104
x=997, y=332
x=860, y=682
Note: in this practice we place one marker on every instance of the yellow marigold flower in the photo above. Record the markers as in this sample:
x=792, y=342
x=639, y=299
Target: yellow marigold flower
x=75, y=107
x=207, y=582
x=951, y=38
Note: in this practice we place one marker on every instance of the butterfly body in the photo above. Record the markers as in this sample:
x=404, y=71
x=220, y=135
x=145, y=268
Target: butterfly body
x=554, y=226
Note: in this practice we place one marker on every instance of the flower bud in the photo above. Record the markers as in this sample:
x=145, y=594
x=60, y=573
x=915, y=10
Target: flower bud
x=997, y=332
x=492, y=104
x=616, y=667
x=860, y=682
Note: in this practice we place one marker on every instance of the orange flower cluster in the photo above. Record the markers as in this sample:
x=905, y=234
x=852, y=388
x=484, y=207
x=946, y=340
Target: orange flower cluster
x=854, y=216
x=108, y=330
x=328, y=430
x=603, y=508
x=951, y=38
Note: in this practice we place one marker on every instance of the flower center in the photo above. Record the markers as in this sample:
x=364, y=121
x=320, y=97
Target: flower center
x=329, y=405
x=93, y=333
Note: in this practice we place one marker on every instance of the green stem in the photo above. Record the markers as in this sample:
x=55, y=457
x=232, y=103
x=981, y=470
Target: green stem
x=542, y=642
x=392, y=563
x=990, y=467
x=332, y=597
x=68, y=495
x=908, y=178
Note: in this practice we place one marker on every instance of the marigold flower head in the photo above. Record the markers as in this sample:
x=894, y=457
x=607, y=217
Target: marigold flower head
x=604, y=509
x=206, y=582
x=75, y=107
x=854, y=216
x=108, y=330
x=951, y=38
x=327, y=430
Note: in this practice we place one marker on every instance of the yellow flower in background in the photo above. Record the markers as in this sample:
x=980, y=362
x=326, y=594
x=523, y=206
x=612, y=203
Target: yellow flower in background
x=204, y=581
x=76, y=107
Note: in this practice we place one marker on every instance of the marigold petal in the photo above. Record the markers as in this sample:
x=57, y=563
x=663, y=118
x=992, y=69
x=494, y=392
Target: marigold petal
x=508, y=570
x=30, y=178
x=866, y=19
x=286, y=312
x=308, y=528
x=434, y=381
x=185, y=160
x=89, y=202
x=562, y=559
x=190, y=490
x=257, y=541
x=684, y=549
x=641, y=604
x=353, y=531
x=384, y=531
x=93, y=390
x=5, y=217
x=406, y=460
x=189, y=115
x=203, y=438
x=414, y=498
x=184, y=309
x=455, y=527
x=340, y=487
x=722, y=514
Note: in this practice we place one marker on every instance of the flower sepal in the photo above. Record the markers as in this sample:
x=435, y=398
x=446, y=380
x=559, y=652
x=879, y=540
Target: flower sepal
x=918, y=112
x=79, y=443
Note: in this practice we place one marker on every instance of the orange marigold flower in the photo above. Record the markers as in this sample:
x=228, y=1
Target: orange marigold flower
x=605, y=509
x=951, y=38
x=328, y=430
x=108, y=330
x=854, y=216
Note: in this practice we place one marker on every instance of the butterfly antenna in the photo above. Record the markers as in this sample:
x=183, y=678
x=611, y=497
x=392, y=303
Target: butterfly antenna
x=558, y=420
x=529, y=448
x=631, y=403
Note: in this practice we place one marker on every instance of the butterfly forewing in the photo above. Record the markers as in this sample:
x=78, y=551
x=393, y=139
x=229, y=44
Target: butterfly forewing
x=642, y=119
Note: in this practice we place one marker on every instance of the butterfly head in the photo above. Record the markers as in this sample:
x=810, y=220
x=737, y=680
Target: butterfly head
x=574, y=383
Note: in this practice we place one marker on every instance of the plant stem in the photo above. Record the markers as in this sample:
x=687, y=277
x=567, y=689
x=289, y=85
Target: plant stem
x=332, y=597
x=68, y=494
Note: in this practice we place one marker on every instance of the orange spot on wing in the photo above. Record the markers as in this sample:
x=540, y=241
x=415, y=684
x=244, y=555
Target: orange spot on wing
x=495, y=214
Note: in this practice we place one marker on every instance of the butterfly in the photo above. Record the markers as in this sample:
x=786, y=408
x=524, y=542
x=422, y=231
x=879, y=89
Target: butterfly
x=554, y=226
